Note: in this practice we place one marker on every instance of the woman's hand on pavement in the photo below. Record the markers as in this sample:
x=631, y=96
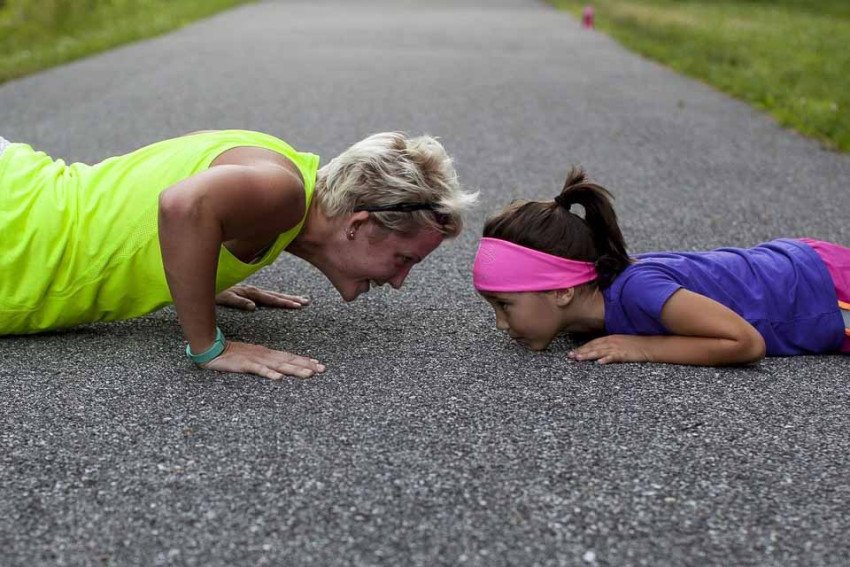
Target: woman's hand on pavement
x=247, y=297
x=256, y=359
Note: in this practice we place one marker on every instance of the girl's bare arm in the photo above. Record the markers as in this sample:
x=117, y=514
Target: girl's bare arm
x=705, y=333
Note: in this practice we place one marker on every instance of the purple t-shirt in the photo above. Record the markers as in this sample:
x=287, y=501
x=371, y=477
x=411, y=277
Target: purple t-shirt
x=781, y=287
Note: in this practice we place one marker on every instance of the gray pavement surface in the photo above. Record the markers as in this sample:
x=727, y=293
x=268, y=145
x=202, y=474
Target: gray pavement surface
x=431, y=440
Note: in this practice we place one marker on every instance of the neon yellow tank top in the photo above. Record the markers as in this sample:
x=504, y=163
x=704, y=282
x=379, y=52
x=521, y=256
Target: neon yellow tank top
x=79, y=243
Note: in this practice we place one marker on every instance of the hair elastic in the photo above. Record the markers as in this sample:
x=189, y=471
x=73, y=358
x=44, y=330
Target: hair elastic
x=502, y=266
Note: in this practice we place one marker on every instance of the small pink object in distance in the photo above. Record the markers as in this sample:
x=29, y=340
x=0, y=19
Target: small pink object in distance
x=587, y=18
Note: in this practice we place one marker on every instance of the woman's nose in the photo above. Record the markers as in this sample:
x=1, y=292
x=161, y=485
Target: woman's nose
x=397, y=280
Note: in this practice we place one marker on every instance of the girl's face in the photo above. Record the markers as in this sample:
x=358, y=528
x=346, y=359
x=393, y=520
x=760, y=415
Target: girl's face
x=533, y=319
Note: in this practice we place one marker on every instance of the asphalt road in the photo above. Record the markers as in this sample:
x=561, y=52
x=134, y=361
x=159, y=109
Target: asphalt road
x=431, y=440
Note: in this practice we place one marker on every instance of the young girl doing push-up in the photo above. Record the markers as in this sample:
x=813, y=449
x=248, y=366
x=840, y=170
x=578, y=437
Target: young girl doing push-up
x=546, y=270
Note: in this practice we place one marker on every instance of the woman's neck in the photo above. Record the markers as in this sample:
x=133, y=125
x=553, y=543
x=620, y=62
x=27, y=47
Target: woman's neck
x=312, y=242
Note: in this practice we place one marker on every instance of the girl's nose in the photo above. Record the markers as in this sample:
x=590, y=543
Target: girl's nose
x=501, y=324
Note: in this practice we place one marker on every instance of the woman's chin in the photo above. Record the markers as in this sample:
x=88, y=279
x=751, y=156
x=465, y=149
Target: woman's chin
x=352, y=293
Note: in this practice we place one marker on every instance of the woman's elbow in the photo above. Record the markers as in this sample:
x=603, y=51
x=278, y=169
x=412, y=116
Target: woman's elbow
x=176, y=207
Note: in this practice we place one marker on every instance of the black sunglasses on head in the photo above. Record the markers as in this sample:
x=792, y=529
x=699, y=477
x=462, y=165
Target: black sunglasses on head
x=441, y=218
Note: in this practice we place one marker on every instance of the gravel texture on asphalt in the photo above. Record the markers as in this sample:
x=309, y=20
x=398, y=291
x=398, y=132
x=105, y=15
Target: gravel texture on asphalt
x=431, y=439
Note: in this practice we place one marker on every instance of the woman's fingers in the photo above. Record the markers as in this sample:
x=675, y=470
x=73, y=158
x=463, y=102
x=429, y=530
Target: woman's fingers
x=229, y=298
x=292, y=364
x=286, y=360
x=278, y=371
x=299, y=299
x=273, y=299
x=295, y=370
x=248, y=297
x=284, y=302
x=264, y=371
x=243, y=303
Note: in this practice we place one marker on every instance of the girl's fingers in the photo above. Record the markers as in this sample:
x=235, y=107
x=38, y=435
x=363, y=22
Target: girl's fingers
x=584, y=354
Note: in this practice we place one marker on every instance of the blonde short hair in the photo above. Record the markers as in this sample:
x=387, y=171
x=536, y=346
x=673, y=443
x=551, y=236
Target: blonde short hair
x=389, y=168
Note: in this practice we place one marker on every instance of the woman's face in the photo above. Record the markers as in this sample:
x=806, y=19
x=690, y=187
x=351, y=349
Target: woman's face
x=374, y=255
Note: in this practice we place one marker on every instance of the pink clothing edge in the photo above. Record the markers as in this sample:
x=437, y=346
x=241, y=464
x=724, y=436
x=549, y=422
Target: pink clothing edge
x=837, y=260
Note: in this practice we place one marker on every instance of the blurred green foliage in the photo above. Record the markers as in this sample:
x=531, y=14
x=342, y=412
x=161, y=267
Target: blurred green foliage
x=35, y=34
x=788, y=57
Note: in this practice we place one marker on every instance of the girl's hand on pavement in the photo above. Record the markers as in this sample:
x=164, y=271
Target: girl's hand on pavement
x=256, y=359
x=247, y=297
x=611, y=348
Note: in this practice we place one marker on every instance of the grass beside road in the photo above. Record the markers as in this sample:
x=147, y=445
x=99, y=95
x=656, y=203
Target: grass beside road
x=788, y=57
x=36, y=34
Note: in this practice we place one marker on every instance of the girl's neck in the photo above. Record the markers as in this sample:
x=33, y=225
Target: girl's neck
x=587, y=315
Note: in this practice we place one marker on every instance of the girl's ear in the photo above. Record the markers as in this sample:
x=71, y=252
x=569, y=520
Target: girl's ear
x=564, y=297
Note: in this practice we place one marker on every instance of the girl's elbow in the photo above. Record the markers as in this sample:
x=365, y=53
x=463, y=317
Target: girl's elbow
x=753, y=348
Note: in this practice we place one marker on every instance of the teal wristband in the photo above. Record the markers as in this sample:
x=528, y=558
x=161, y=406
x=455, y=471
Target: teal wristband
x=216, y=349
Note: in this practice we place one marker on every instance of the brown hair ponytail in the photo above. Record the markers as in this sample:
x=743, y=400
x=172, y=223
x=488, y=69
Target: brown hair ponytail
x=550, y=227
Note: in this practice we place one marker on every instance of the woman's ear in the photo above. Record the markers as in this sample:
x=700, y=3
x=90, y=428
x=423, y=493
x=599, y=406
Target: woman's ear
x=354, y=223
x=564, y=297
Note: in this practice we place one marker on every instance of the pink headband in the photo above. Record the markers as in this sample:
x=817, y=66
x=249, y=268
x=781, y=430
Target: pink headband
x=502, y=266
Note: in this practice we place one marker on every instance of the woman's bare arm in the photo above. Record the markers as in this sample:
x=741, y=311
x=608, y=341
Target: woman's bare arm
x=198, y=214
